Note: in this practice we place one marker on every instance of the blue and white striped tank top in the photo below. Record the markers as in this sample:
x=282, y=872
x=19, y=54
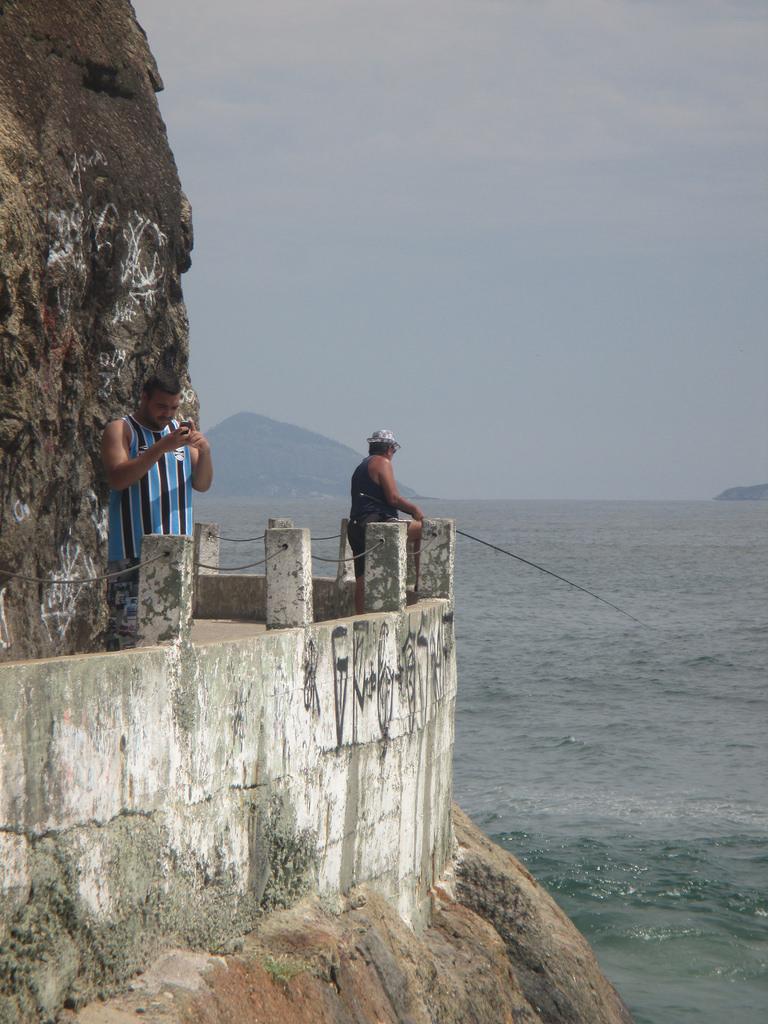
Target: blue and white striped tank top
x=161, y=502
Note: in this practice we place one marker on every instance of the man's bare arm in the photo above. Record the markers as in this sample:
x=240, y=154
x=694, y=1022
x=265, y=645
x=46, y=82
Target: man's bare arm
x=202, y=463
x=384, y=476
x=121, y=469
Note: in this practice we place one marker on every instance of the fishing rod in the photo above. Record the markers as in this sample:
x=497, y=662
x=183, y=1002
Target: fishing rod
x=533, y=565
x=554, y=574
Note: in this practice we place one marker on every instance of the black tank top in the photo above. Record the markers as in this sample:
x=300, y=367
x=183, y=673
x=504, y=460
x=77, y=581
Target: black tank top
x=363, y=490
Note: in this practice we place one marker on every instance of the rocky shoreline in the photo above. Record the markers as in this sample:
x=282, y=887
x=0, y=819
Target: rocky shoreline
x=498, y=950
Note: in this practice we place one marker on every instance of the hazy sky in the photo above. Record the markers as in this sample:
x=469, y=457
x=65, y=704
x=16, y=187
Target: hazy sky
x=530, y=236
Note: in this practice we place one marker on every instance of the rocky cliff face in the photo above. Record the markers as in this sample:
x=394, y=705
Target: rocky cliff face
x=94, y=236
x=498, y=951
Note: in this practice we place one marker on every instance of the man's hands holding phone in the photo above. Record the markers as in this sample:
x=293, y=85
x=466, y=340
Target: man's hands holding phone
x=186, y=435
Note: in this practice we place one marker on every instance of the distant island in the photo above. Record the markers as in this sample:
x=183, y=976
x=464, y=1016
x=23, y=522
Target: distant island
x=758, y=492
x=257, y=457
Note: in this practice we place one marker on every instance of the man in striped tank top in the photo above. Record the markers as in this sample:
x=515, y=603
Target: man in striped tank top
x=152, y=462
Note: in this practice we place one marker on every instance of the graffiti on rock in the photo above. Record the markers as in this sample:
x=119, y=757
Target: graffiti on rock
x=79, y=236
x=141, y=272
x=20, y=510
x=15, y=450
x=83, y=162
x=65, y=238
x=60, y=597
x=5, y=633
x=98, y=515
x=105, y=226
x=110, y=365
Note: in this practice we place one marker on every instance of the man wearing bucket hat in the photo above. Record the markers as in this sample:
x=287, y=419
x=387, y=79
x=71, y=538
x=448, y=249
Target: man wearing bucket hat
x=376, y=499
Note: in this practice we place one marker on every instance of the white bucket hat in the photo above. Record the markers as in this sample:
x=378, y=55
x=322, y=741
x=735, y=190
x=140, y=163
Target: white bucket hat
x=383, y=437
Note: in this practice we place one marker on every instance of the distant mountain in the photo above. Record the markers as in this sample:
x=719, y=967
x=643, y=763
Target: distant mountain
x=255, y=457
x=759, y=492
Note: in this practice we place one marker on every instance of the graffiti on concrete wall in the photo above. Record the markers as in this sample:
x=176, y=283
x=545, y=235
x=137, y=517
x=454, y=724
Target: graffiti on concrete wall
x=386, y=674
x=407, y=681
x=373, y=677
x=340, y=657
x=370, y=671
x=311, y=696
x=423, y=657
x=363, y=673
x=61, y=597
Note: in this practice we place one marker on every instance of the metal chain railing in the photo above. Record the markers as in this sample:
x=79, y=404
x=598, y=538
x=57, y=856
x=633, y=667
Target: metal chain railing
x=235, y=568
x=351, y=558
x=252, y=540
x=83, y=579
x=50, y=581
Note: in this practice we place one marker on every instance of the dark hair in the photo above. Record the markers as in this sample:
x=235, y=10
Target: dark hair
x=162, y=380
x=379, y=447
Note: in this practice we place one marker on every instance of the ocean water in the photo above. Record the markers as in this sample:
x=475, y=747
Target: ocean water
x=625, y=765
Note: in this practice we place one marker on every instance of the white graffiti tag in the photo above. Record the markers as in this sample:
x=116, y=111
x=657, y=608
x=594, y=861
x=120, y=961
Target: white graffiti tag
x=141, y=270
x=98, y=515
x=65, y=246
x=60, y=597
x=5, y=633
x=105, y=224
x=20, y=511
x=110, y=365
x=82, y=162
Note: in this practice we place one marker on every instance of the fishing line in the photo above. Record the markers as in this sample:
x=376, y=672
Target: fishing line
x=533, y=565
x=541, y=568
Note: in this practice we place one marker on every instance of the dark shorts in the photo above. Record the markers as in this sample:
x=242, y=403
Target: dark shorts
x=123, y=605
x=356, y=536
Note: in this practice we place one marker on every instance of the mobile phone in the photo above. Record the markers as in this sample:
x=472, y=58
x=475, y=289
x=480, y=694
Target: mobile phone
x=185, y=425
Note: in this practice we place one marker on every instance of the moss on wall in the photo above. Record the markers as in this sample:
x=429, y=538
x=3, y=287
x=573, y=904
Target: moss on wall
x=58, y=952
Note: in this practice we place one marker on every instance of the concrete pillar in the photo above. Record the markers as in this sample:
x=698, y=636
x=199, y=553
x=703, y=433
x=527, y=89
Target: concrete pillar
x=289, y=577
x=385, y=566
x=410, y=572
x=207, y=547
x=345, y=576
x=207, y=537
x=165, y=590
x=438, y=558
x=280, y=523
x=345, y=570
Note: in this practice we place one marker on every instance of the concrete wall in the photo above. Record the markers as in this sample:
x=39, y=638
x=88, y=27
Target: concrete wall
x=244, y=596
x=172, y=793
